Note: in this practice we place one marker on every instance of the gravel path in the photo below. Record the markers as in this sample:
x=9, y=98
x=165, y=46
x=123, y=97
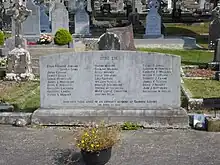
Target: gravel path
x=54, y=146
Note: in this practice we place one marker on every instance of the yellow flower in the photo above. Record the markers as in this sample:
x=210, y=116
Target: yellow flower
x=97, y=145
x=92, y=145
x=86, y=134
x=82, y=141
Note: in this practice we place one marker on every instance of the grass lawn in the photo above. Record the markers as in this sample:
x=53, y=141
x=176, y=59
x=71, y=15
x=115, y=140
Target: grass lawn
x=195, y=31
x=24, y=96
x=188, y=57
x=203, y=88
x=182, y=29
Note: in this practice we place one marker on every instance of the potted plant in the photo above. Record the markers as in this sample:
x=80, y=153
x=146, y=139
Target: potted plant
x=3, y=62
x=96, y=143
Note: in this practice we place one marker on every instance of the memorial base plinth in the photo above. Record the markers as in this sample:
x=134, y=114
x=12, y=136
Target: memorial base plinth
x=164, y=118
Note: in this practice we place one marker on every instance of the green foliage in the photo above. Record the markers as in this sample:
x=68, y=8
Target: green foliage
x=2, y=38
x=130, y=126
x=62, y=37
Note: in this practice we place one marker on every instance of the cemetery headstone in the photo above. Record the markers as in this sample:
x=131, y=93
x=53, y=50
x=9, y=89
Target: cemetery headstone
x=19, y=60
x=82, y=22
x=126, y=37
x=153, y=21
x=19, y=14
x=120, y=5
x=10, y=44
x=60, y=17
x=214, y=32
x=114, y=86
x=31, y=26
x=44, y=20
x=108, y=41
x=138, y=6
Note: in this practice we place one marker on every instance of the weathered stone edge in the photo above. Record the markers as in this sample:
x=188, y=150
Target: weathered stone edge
x=11, y=117
x=166, y=118
x=192, y=103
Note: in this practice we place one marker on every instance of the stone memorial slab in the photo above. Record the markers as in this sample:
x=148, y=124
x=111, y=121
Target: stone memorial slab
x=153, y=21
x=60, y=17
x=10, y=44
x=82, y=24
x=31, y=26
x=120, y=5
x=126, y=37
x=138, y=5
x=108, y=41
x=44, y=20
x=114, y=86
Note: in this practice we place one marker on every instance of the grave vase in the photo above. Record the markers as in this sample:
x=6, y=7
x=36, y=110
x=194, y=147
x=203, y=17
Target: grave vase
x=97, y=157
x=2, y=72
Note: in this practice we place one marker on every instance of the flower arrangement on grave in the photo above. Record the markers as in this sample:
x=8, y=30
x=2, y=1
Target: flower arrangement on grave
x=96, y=143
x=3, y=61
x=45, y=39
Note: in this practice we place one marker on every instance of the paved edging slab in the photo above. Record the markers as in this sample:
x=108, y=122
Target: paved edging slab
x=11, y=117
x=193, y=104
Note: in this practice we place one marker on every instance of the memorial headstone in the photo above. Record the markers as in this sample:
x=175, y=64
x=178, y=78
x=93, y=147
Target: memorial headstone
x=19, y=59
x=44, y=20
x=114, y=86
x=120, y=5
x=214, y=32
x=153, y=21
x=60, y=17
x=138, y=6
x=108, y=41
x=82, y=22
x=126, y=37
x=31, y=26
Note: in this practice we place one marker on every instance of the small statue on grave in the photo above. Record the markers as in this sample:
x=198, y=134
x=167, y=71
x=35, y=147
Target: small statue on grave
x=19, y=14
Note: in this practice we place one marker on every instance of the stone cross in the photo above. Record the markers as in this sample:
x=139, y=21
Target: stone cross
x=19, y=14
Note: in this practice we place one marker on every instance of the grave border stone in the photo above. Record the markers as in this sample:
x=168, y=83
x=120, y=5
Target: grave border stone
x=166, y=116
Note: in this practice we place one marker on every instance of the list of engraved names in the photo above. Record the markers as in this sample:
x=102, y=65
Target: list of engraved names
x=58, y=82
x=106, y=81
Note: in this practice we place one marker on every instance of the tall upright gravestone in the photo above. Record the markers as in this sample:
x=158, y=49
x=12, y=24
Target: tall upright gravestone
x=114, y=86
x=44, y=20
x=214, y=32
x=153, y=21
x=82, y=22
x=59, y=17
x=31, y=25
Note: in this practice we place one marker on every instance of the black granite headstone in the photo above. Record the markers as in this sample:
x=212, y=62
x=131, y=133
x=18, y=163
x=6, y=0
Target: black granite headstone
x=109, y=41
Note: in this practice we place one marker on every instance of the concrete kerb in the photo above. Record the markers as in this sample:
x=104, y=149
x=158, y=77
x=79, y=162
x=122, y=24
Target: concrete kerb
x=193, y=104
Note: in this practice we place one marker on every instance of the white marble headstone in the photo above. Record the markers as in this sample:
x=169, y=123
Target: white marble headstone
x=60, y=17
x=110, y=79
x=120, y=5
x=82, y=24
x=138, y=5
x=153, y=20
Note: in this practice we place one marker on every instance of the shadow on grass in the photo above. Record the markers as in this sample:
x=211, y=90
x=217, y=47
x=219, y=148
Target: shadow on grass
x=202, y=64
x=181, y=31
x=27, y=109
x=68, y=157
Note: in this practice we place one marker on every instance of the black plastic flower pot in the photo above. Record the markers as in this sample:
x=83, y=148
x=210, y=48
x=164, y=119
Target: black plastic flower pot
x=2, y=73
x=98, y=157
